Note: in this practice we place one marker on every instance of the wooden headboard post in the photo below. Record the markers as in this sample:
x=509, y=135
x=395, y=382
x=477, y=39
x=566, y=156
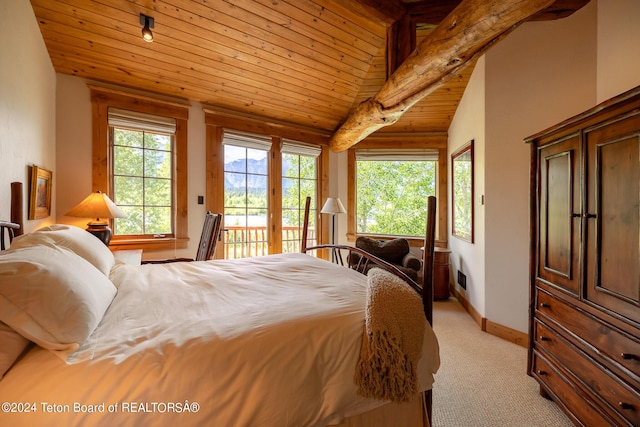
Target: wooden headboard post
x=16, y=207
x=305, y=227
x=428, y=259
x=427, y=282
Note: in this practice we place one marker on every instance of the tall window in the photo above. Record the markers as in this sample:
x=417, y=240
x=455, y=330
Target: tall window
x=246, y=190
x=142, y=172
x=140, y=160
x=299, y=180
x=392, y=187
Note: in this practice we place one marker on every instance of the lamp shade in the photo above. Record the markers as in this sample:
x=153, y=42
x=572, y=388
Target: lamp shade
x=97, y=205
x=333, y=206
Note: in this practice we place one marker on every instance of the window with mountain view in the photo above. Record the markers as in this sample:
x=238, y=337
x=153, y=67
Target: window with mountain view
x=246, y=201
x=249, y=223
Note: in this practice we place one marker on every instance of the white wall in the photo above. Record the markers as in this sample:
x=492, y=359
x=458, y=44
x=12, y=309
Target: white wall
x=468, y=124
x=541, y=74
x=27, y=105
x=74, y=154
x=338, y=188
x=618, y=47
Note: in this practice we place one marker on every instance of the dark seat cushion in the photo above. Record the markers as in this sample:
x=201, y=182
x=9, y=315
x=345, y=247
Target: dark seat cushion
x=389, y=250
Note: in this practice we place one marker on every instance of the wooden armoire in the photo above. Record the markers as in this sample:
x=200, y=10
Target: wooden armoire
x=584, y=347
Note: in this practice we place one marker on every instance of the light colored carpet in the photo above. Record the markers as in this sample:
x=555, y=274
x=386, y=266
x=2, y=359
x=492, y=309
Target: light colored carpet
x=483, y=379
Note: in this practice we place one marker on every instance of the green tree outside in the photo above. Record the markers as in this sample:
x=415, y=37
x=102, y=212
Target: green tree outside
x=142, y=188
x=392, y=196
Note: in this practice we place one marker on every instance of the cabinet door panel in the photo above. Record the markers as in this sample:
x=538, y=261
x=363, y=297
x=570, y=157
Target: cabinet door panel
x=613, y=206
x=559, y=226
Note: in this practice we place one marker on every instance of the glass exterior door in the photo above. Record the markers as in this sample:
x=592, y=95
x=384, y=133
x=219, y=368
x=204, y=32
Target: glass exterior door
x=245, y=201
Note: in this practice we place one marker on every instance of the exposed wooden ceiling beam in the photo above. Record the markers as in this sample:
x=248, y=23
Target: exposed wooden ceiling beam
x=401, y=34
x=465, y=34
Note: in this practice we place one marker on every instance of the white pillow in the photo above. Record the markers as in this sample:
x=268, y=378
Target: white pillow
x=52, y=296
x=74, y=238
x=12, y=344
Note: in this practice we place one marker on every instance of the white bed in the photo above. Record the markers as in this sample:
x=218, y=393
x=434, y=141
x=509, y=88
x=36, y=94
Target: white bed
x=266, y=341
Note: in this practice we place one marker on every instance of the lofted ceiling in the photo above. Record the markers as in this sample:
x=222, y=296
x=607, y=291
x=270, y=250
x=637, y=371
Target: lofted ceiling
x=308, y=63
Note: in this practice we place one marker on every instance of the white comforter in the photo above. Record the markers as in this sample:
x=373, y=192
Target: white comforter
x=267, y=341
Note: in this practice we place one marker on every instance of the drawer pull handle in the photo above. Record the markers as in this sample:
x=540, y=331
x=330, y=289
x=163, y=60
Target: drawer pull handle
x=545, y=305
x=624, y=405
x=629, y=356
x=543, y=338
x=541, y=372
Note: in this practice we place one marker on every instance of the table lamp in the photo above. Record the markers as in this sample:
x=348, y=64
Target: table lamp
x=99, y=206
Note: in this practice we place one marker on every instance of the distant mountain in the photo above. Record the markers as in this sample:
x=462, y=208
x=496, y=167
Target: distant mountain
x=237, y=180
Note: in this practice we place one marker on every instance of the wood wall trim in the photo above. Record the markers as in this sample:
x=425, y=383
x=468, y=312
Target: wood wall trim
x=214, y=174
x=275, y=195
x=322, y=221
x=264, y=126
x=486, y=325
x=103, y=98
x=403, y=141
x=406, y=140
x=506, y=333
x=215, y=124
x=477, y=317
x=214, y=200
x=113, y=93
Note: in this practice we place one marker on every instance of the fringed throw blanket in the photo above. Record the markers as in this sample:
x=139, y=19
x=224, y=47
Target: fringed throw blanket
x=392, y=339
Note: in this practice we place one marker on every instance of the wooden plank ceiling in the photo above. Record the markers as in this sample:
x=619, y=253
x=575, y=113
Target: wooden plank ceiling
x=303, y=62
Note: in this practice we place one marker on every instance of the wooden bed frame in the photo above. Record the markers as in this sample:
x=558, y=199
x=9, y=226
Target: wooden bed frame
x=15, y=227
x=366, y=259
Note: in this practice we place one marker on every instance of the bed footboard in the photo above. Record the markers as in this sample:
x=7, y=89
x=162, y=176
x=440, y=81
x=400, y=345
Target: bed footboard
x=365, y=260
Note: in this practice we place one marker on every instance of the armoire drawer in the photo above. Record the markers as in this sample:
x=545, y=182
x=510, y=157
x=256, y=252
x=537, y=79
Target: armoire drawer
x=620, y=397
x=618, y=350
x=567, y=395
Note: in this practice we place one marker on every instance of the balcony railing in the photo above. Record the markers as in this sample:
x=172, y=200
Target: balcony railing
x=244, y=242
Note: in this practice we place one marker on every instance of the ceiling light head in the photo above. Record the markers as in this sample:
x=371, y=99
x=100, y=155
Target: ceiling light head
x=147, y=22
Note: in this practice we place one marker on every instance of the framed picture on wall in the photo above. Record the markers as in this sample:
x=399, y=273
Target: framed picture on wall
x=40, y=193
x=462, y=192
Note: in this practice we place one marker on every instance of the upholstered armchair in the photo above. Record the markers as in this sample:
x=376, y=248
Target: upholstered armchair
x=395, y=251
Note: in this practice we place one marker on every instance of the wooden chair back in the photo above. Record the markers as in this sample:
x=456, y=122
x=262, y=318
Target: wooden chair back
x=7, y=229
x=209, y=236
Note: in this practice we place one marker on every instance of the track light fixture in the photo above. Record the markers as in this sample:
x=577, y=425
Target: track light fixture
x=147, y=23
